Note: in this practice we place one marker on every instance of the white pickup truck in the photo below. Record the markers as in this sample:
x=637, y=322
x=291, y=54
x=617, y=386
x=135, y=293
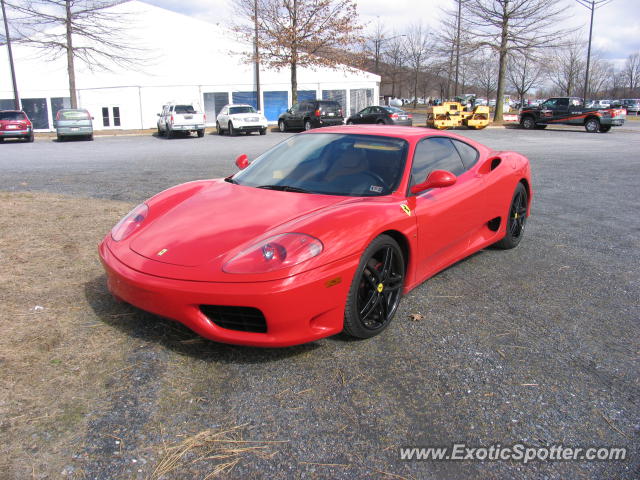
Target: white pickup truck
x=180, y=118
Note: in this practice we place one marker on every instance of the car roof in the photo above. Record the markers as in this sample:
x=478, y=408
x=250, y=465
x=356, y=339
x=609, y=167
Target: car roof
x=73, y=110
x=239, y=105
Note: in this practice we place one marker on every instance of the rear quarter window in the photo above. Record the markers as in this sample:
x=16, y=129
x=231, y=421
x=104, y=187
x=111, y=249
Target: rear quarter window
x=468, y=154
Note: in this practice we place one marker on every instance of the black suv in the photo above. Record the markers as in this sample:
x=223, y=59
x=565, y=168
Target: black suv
x=311, y=114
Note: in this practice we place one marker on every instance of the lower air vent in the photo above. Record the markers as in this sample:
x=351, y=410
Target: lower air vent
x=243, y=319
x=494, y=224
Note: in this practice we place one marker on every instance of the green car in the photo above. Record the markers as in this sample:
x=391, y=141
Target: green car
x=72, y=122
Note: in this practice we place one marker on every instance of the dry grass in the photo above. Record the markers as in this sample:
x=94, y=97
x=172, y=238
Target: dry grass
x=55, y=351
x=217, y=451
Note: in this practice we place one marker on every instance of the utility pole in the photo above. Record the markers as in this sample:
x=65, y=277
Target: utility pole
x=455, y=92
x=256, y=52
x=591, y=5
x=16, y=97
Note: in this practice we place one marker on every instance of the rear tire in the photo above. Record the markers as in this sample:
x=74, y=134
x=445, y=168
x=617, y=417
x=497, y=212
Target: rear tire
x=263, y=131
x=307, y=125
x=540, y=127
x=29, y=139
x=349, y=122
x=168, y=132
x=516, y=219
x=592, y=125
x=201, y=133
x=381, y=122
x=90, y=137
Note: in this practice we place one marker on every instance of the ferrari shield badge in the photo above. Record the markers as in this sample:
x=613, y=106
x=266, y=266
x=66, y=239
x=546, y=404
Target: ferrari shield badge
x=406, y=209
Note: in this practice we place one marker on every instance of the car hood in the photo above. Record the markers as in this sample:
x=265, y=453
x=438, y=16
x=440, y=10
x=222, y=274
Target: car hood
x=221, y=219
x=244, y=116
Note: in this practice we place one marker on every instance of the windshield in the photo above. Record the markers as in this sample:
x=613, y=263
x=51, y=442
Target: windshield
x=247, y=109
x=184, y=109
x=12, y=116
x=330, y=163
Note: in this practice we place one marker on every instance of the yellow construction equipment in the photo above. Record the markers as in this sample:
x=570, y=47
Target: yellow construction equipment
x=452, y=114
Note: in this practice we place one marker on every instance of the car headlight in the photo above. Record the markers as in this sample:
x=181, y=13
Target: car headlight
x=130, y=222
x=274, y=253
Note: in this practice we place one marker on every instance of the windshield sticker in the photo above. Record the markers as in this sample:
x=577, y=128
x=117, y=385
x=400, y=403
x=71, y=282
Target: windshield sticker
x=375, y=188
x=278, y=174
x=405, y=208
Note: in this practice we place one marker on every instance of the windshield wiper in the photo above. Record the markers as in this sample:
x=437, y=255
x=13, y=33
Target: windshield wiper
x=230, y=180
x=284, y=188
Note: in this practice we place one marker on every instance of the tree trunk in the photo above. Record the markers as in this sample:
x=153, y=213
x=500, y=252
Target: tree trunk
x=70, y=67
x=294, y=81
x=502, y=70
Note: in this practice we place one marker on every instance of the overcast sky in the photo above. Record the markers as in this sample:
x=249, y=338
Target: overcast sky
x=616, y=28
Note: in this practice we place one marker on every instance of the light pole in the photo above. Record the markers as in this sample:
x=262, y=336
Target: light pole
x=256, y=52
x=16, y=97
x=591, y=5
x=455, y=92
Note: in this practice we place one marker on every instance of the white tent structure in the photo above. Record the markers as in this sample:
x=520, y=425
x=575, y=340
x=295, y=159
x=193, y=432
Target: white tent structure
x=187, y=61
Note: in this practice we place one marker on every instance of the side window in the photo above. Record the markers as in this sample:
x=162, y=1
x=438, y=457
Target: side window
x=436, y=153
x=468, y=154
x=366, y=111
x=563, y=102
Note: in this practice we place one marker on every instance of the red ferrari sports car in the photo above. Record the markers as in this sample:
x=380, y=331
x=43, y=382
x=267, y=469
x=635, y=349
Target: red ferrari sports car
x=322, y=233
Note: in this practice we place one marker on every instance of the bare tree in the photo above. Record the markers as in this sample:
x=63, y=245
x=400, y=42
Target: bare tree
x=86, y=31
x=301, y=33
x=567, y=68
x=601, y=76
x=418, y=48
x=523, y=74
x=486, y=72
x=631, y=72
x=514, y=27
x=394, y=56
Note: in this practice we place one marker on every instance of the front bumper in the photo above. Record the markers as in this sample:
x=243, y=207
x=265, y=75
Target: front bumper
x=297, y=309
x=249, y=127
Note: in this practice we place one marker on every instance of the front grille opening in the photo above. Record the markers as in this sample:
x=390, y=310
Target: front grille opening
x=494, y=224
x=243, y=319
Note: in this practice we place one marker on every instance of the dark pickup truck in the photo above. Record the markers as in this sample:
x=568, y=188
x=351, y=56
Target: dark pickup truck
x=571, y=111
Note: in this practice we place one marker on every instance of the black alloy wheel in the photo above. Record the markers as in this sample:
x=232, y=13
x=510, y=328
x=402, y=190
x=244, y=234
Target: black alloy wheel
x=376, y=289
x=516, y=220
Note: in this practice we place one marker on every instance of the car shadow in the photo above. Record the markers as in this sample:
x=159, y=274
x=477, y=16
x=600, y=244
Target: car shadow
x=173, y=335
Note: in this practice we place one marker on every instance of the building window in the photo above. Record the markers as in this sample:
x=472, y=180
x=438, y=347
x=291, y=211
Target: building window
x=116, y=116
x=105, y=116
x=58, y=103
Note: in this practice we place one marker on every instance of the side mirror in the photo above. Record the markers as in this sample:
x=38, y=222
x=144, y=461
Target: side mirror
x=436, y=179
x=158, y=114
x=242, y=161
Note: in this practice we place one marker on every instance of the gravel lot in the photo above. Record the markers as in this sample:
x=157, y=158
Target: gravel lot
x=537, y=345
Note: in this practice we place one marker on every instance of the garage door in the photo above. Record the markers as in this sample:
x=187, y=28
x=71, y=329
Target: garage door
x=275, y=103
x=306, y=95
x=245, y=97
x=213, y=103
x=339, y=96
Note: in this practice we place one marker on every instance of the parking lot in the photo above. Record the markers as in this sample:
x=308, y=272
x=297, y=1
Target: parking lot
x=536, y=345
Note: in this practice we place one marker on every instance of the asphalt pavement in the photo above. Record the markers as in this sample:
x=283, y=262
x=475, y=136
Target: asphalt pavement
x=537, y=345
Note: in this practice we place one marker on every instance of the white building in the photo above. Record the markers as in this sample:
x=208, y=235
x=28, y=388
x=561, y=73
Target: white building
x=188, y=61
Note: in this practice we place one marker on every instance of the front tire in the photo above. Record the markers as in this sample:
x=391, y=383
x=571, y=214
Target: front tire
x=282, y=126
x=528, y=123
x=592, y=125
x=263, y=131
x=516, y=220
x=218, y=129
x=376, y=289
x=307, y=125
x=232, y=132
x=605, y=128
